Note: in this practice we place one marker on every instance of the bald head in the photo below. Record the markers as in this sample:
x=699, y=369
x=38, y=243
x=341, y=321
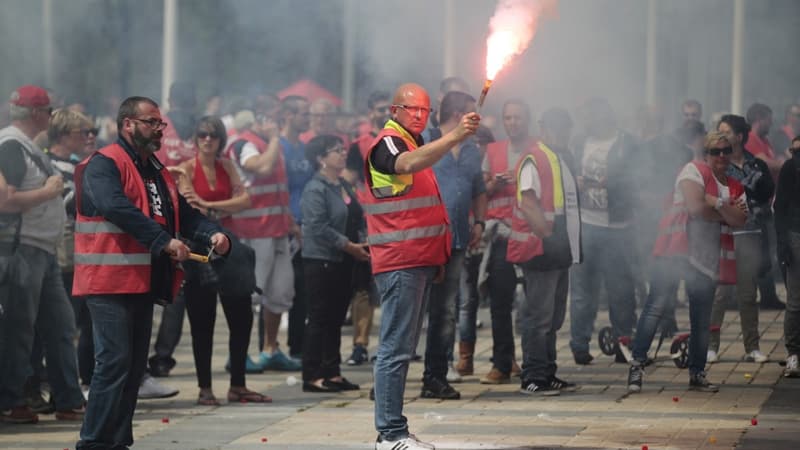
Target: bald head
x=408, y=90
x=411, y=107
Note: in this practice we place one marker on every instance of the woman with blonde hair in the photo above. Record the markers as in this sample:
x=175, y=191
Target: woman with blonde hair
x=695, y=237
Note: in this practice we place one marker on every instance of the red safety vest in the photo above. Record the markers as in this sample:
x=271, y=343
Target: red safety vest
x=410, y=229
x=673, y=238
x=107, y=259
x=268, y=216
x=523, y=244
x=501, y=202
x=174, y=150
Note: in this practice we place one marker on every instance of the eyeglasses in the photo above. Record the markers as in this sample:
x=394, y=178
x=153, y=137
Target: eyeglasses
x=417, y=111
x=337, y=149
x=720, y=151
x=153, y=123
x=206, y=135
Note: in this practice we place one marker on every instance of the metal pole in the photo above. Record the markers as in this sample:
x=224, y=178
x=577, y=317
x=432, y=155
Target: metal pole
x=738, y=56
x=348, y=56
x=47, y=42
x=168, y=55
x=449, y=38
x=651, y=52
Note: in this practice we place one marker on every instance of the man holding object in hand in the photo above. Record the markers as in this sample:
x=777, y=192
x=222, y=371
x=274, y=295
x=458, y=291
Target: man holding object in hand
x=127, y=248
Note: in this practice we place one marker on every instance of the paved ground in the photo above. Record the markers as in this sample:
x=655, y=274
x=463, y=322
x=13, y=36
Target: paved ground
x=599, y=416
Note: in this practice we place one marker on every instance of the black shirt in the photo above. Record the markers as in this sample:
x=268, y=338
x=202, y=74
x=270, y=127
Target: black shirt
x=12, y=163
x=384, y=155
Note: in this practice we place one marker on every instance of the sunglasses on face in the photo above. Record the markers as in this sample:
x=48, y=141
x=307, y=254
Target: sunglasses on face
x=720, y=151
x=206, y=135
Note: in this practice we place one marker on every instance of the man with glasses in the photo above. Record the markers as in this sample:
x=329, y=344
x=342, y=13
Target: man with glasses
x=409, y=244
x=129, y=220
x=38, y=301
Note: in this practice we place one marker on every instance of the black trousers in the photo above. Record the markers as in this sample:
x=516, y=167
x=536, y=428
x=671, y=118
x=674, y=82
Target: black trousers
x=201, y=307
x=328, y=289
x=298, y=313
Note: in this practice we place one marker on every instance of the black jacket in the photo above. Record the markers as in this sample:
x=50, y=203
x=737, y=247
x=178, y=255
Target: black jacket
x=787, y=201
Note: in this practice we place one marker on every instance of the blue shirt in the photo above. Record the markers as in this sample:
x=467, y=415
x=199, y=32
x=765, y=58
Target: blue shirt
x=298, y=173
x=460, y=181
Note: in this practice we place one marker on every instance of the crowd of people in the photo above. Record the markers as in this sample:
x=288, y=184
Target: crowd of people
x=284, y=208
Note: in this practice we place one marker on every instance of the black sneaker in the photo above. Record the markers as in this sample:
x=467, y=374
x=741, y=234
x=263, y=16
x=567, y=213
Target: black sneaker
x=563, y=385
x=539, y=388
x=372, y=393
x=359, y=356
x=582, y=358
x=699, y=383
x=435, y=388
x=635, y=376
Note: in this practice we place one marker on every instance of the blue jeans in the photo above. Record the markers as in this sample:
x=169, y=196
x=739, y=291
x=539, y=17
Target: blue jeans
x=607, y=260
x=122, y=325
x=40, y=307
x=502, y=285
x=442, y=311
x=468, y=298
x=700, y=290
x=404, y=295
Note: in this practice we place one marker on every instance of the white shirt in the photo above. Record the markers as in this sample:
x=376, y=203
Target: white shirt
x=691, y=173
x=594, y=200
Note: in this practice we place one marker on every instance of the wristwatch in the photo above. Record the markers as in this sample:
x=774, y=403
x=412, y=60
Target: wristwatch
x=719, y=204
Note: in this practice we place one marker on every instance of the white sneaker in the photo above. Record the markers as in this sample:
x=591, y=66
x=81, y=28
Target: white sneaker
x=452, y=374
x=792, y=369
x=712, y=357
x=409, y=443
x=85, y=392
x=756, y=356
x=150, y=388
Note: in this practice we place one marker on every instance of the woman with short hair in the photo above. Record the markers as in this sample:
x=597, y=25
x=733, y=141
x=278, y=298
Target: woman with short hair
x=333, y=229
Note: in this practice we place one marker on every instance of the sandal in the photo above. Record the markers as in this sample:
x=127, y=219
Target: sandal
x=248, y=396
x=207, y=400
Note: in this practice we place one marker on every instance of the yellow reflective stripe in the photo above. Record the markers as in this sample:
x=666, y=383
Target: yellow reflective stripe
x=392, y=185
x=500, y=202
x=555, y=168
x=97, y=227
x=267, y=189
x=401, y=205
x=113, y=259
x=260, y=212
x=407, y=235
x=391, y=124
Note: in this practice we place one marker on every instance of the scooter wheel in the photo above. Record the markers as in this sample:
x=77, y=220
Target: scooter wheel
x=680, y=352
x=608, y=341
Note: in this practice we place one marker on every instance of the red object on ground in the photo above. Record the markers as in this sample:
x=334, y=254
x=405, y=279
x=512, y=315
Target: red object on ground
x=263, y=439
x=644, y=447
x=165, y=420
x=310, y=90
x=753, y=421
x=675, y=399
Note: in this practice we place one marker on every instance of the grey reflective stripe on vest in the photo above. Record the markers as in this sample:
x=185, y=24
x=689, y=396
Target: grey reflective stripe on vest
x=401, y=205
x=728, y=254
x=113, y=259
x=97, y=227
x=502, y=201
x=267, y=189
x=260, y=212
x=518, y=236
x=547, y=215
x=407, y=235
